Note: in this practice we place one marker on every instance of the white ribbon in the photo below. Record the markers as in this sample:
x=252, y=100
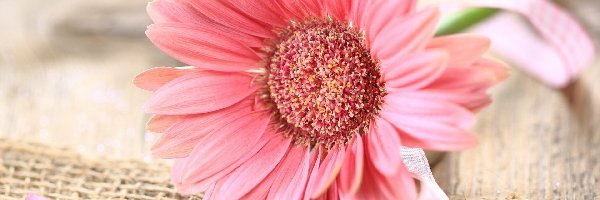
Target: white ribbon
x=417, y=164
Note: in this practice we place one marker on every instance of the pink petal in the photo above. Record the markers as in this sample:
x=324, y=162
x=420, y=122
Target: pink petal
x=358, y=14
x=203, y=47
x=377, y=186
x=314, y=7
x=414, y=71
x=328, y=171
x=204, y=92
x=154, y=78
x=292, y=175
x=301, y=9
x=467, y=85
x=340, y=9
x=160, y=123
x=464, y=49
x=473, y=101
x=177, y=173
x=476, y=78
x=193, y=189
x=380, y=14
x=181, y=138
x=209, y=194
x=263, y=189
x=178, y=170
x=223, y=13
x=168, y=11
x=351, y=173
x=429, y=134
x=174, y=11
x=384, y=146
x=315, y=162
x=268, y=12
x=226, y=149
x=333, y=193
x=403, y=36
x=254, y=171
x=411, y=103
x=496, y=70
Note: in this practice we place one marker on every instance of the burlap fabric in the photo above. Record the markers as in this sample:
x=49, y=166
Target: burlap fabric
x=59, y=173
x=63, y=174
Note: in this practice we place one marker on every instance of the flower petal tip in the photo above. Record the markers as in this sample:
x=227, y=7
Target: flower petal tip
x=142, y=79
x=497, y=69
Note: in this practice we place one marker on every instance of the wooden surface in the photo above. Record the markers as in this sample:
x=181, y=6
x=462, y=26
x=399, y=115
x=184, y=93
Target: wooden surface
x=536, y=143
x=65, y=74
x=65, y=79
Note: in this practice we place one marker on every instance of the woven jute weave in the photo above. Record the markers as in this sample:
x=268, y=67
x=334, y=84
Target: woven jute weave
x=57, y=173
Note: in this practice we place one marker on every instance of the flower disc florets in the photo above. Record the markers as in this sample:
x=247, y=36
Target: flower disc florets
x=323, y=83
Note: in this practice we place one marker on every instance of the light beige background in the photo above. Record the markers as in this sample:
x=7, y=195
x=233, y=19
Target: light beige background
x=65, y=79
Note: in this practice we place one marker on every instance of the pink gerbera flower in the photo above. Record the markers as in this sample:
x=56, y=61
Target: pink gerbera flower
x=294, y=99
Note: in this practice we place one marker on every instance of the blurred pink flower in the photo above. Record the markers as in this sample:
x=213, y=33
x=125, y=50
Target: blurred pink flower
x=309, y=99
x=542, y=40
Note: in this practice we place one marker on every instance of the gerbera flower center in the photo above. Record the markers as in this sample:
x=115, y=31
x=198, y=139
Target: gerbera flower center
x=322, y=82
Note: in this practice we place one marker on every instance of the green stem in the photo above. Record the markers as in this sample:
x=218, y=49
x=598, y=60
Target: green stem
x=464, y=20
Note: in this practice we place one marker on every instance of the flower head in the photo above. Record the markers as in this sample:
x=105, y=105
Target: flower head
x=308, y=99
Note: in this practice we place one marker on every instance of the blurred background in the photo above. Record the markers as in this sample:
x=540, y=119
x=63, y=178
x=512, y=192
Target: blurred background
x=66, y=69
